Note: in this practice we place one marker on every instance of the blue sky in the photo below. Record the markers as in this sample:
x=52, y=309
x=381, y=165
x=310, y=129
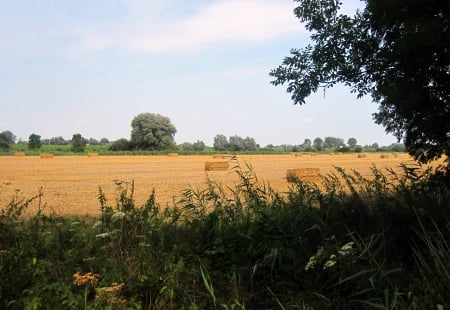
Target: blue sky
x=90, y=66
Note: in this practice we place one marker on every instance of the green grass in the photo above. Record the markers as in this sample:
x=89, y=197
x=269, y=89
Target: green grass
x=378, y=243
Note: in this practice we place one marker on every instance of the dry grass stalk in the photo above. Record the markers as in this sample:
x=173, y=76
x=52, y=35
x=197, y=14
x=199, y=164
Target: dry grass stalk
x=216, y=165
x=304, y=174
x=19, y=154
x=46, y=155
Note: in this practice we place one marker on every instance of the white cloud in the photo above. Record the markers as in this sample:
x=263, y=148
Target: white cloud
x=221, y=23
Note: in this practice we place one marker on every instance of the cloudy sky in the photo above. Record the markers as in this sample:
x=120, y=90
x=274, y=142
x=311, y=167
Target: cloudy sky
x=90, y=66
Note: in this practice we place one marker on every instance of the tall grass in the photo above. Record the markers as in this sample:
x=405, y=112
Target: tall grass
x=349, y=243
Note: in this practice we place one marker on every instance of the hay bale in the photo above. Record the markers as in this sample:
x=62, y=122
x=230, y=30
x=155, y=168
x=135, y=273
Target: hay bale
x=383, y=156
x=216, y=165
x=46, y=155
x=172, y=154
x=298, y=154
x=19, y=154
x=304, y=174
x=92, y=154
x=362, y=156
x=314, y=154
x=222, y=156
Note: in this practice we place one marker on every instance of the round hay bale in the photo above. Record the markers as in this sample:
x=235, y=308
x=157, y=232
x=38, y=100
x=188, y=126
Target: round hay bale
x=19, y=154
x=172, y=154
x=46, y=155
x=216, y=165
x=298, y=154
x=384, y=156
x=362, y=156
x=304, y=174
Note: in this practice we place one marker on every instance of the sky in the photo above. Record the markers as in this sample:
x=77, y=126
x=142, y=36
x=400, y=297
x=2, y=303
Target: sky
x=91, y=66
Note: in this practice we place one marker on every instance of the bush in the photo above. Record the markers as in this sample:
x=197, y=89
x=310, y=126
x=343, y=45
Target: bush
x=352, y=243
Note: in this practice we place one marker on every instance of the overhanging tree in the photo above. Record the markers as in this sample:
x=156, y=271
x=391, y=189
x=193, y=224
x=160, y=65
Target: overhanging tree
x=397, y=51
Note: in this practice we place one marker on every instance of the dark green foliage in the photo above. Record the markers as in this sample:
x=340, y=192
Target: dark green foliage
x=34, y=142
x=197, y=146
x=4, y=141
x=351, y=243
x=395, y=51
x=152, y=132
x=78, y=143
x=120, y=145
x=8, y=137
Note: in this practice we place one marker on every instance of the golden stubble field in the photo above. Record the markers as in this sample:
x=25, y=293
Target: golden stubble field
x=71, y=183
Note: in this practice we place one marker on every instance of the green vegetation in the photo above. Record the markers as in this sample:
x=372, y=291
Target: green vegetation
x=394, y=51
x=357, y=243
x=152, y=132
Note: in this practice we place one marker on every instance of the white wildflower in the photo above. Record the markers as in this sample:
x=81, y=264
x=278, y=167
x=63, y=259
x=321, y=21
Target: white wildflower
x=97, y=224
x=346, y=249
x=330, y=262
x=117, y=216
x=102, y=236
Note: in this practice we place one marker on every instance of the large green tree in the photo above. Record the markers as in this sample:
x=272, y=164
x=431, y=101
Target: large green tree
x=152, y=132
x=34, y=142
x=396, y=51
x=8, y=137
x=78, y=143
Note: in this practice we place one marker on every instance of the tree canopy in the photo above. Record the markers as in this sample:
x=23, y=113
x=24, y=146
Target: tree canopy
x=34, y=142
x=398, y=52
x=152, y=132
x=78, y=143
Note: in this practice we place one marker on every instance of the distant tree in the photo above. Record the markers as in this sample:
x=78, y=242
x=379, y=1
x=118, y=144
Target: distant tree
x=236, y=143
x=4, y=145
x=104, y=141
x=120, y=145
x=78, y=143
x=93, y=141
x=9, y=137
x=55, y=141
x=375, y=146
x=318, y=143
x=152, y=132
x=34, y=142
x=249, y=144
x=352, y=142
x=306, y=146
x=221, y=143
x=198, y=146
x=397, y=147
x=306, y=143
x=333, y=142
x=358, y=149
x=187, y=146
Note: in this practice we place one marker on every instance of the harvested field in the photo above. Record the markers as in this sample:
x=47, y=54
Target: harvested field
x=70, y=183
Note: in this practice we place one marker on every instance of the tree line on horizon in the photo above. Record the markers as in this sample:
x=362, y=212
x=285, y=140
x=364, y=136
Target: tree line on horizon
x=234, y=143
